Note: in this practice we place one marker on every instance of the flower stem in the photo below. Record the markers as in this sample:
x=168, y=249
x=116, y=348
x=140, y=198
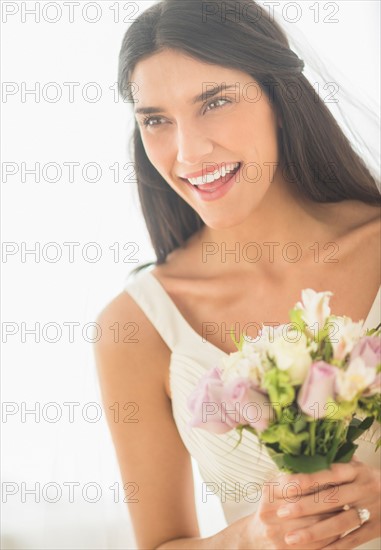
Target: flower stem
x=312, y=438
x=340, y=428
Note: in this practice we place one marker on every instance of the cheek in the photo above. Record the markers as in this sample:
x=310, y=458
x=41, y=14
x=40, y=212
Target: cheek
x=249, y=129
x=159, y=156
x=155, y=152
x=261, y=140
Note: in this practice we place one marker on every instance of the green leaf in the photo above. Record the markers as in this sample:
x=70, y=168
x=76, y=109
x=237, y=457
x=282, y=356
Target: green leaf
x=371, y=331
x=306, y=464
x=295, y=316
x=371, y=405
x=358, y=427
x=299, y=425
x=355, y=422
x=238, y=343
x=328, y=351
x=345, y=453
x=353, y=433
x=339, y=410
x=283, y=435
x=366, y=423
x=281, y=392
x=271, y=434
x=324, y=334
x=340, y=433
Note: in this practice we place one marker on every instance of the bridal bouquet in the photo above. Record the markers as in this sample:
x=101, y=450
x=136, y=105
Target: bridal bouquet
x=307, y=389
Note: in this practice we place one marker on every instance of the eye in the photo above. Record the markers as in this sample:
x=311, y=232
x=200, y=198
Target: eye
x=148, y=119
x=216, y=102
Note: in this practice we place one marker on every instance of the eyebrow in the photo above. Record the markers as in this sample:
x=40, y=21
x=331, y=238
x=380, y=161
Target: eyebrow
x=207, y=94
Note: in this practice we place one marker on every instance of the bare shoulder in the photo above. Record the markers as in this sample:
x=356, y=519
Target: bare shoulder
x=359, y=215
x=124, y=309
x=362, y=225
x=127, y=333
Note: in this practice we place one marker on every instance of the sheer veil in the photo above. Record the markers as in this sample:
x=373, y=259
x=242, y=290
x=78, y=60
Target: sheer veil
x=353, y=104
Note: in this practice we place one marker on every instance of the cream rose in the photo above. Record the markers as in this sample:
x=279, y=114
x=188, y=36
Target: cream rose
x=354, y=379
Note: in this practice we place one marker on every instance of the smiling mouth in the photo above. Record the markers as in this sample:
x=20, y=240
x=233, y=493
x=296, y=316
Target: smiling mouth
x=211, y=182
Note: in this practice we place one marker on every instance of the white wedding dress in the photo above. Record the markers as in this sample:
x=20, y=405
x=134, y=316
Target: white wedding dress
x=235, y=475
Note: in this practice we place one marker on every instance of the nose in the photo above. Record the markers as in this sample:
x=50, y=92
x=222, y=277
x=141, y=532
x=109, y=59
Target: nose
x=192, y=144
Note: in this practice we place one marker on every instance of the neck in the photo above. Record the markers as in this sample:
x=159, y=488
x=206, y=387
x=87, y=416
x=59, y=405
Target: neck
x=281, y=218
x=281, y=215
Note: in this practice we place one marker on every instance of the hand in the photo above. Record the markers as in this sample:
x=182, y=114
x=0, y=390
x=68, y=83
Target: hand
x=266, y=530
x=354, y=484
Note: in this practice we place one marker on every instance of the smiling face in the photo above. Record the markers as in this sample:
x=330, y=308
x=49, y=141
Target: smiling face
x=188, y=132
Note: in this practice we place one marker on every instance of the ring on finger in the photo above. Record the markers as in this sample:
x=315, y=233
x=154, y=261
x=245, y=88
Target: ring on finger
x=363, y=515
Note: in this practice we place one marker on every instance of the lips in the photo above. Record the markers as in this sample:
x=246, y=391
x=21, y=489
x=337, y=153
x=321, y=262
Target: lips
x=210, y=192
x=209, y=187
x=211, y=178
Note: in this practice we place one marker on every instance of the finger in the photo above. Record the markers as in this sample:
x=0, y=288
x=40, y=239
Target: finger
x=353, y=539
x=337, y=526
x=312, y=546
x=328, y=500
x=305, y=484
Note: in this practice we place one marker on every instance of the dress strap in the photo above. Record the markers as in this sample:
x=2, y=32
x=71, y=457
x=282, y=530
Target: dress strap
x=161, y=311
x=374, y=316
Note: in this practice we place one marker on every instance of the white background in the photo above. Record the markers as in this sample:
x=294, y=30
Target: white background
x=35, y=290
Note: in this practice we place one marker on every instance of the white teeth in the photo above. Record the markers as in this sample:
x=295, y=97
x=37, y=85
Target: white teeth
x=210, y=178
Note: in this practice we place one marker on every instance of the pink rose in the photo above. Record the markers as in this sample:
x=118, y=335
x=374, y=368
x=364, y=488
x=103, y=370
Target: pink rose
x=317, y=388
x=369, y=349
x=219, y=408
x=245, y=405
x=205, y=403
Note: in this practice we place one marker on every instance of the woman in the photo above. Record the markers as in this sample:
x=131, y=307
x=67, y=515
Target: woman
x=250, y=192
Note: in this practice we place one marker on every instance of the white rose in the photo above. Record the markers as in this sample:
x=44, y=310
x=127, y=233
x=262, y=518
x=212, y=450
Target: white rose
x=343, y=335
x=315, y=307
x=267, y=336
x=287, y=346
x=355, y=379
x=291, y=354
x=246, y=363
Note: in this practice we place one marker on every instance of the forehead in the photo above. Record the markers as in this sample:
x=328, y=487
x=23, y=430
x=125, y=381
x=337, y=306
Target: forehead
x=171, y=73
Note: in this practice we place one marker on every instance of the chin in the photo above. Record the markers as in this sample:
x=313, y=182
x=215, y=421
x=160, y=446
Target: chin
x=221, y=223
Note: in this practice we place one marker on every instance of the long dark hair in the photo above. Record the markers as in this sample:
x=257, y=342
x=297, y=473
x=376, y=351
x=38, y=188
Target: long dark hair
x=321, y=163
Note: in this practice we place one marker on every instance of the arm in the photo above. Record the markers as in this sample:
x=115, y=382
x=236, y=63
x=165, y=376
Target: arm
x=227, y=538
x=150, y=452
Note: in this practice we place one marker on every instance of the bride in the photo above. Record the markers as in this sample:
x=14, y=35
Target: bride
x=250, y=192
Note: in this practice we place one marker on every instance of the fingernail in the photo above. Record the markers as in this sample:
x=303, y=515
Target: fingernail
x=292, y=539
x=283, y=512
